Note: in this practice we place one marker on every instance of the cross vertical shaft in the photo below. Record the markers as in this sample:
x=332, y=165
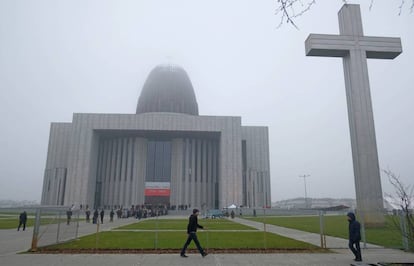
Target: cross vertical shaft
x=355, y=48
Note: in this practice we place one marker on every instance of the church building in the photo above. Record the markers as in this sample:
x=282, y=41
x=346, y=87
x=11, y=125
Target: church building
x=165, y=153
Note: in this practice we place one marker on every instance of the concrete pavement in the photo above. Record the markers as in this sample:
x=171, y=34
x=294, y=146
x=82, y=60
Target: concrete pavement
x=12, y=242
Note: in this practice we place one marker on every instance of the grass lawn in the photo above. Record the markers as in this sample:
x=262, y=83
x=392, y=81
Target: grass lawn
x=175, y=240
x=13, y=223
x=170, y=234
x=181, y=224
x=388, y=236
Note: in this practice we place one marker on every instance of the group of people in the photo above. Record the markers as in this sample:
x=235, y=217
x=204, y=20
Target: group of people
x=96, y=215
x=137, y=213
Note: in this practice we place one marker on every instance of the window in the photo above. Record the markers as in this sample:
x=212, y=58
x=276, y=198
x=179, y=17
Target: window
x=158, y=161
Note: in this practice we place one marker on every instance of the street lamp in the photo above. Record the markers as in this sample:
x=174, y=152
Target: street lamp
x=306, y=193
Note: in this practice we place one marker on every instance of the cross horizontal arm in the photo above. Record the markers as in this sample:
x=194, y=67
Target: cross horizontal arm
x=340, y=45
x=381, y=47
x=328, y=45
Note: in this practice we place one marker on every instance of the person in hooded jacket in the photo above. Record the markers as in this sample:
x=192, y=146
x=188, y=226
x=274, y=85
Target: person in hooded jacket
x=191, y=231
x=22, y=220
x=354, y=236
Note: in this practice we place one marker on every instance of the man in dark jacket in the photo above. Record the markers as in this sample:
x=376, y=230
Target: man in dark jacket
x=102, y=213
x=191, y=231
x=22, y=220
x=95, y=216
x=354, y=236
x=68, y=216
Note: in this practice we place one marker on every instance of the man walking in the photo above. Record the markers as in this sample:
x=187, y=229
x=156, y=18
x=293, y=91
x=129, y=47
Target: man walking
x=354, y=236
x=191, y=231
x=22, y=220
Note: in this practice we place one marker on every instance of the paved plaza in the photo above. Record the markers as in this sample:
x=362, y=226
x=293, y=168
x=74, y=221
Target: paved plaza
x=13, y=242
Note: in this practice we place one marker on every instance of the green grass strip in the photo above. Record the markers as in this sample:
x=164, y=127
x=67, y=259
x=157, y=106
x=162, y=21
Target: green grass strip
x=181, y=224
x=337, y=226
x=14, y=223
x=175, y=240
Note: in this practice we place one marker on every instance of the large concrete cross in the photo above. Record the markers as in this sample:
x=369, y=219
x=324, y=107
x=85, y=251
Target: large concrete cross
x=355, y=48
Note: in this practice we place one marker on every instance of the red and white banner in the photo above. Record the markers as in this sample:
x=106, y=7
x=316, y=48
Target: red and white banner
x=157, y=192
x=157, y=189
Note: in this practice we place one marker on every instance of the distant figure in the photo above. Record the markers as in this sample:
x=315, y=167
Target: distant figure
x=22, y=220
x=95, y=216
x=191, y=231
x=232, y=214
x=111, y=215
x=68, y=216
x=254, y=212
x=102, y=215
x=354, y=236
x=88, y=214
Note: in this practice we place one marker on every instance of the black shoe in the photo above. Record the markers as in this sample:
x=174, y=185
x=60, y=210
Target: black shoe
x=183, y=255
x=204, y=254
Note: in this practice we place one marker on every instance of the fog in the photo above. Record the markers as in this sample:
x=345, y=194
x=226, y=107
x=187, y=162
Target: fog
x=63, y=57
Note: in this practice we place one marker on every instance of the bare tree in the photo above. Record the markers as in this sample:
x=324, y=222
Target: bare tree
x=290, y=10
x=403, y=198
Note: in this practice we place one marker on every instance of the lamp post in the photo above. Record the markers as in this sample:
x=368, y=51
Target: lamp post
x=306, y=193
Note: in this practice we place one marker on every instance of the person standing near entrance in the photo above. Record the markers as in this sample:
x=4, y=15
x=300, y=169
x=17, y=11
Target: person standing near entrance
x=22, y=220
x=95, y=216
x=354, y=236
x=102, y=213
x=68, y=216
x=111, y=215
x=191, y=231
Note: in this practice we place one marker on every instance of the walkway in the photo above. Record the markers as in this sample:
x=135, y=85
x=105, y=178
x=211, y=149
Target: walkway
x=12, y=242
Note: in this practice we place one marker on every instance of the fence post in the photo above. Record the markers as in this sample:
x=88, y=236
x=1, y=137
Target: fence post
x=97, y=233
x=156, y=231
x=403, y=226
x=36, y=230
x=77, y=225
x=363, y=236
x=321, y=229
x=58, y=229
x=264, y=228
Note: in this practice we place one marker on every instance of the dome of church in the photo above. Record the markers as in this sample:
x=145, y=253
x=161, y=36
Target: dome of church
x=168, y=89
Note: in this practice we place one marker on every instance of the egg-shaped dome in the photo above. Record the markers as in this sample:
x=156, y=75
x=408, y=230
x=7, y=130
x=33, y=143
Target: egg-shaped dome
x=168, y=89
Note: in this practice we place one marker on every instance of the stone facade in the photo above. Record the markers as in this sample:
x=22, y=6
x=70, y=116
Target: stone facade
x=104, y=160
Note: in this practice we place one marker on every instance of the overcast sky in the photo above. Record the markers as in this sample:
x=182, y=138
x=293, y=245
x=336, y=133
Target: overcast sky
x=63, y=57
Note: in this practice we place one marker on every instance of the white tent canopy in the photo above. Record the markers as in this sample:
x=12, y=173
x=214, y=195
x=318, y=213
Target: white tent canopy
x=232, y=206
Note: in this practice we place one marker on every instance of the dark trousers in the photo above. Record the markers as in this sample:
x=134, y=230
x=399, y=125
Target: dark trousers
x=192, y=236
x=356, y=250
x=20, y=224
